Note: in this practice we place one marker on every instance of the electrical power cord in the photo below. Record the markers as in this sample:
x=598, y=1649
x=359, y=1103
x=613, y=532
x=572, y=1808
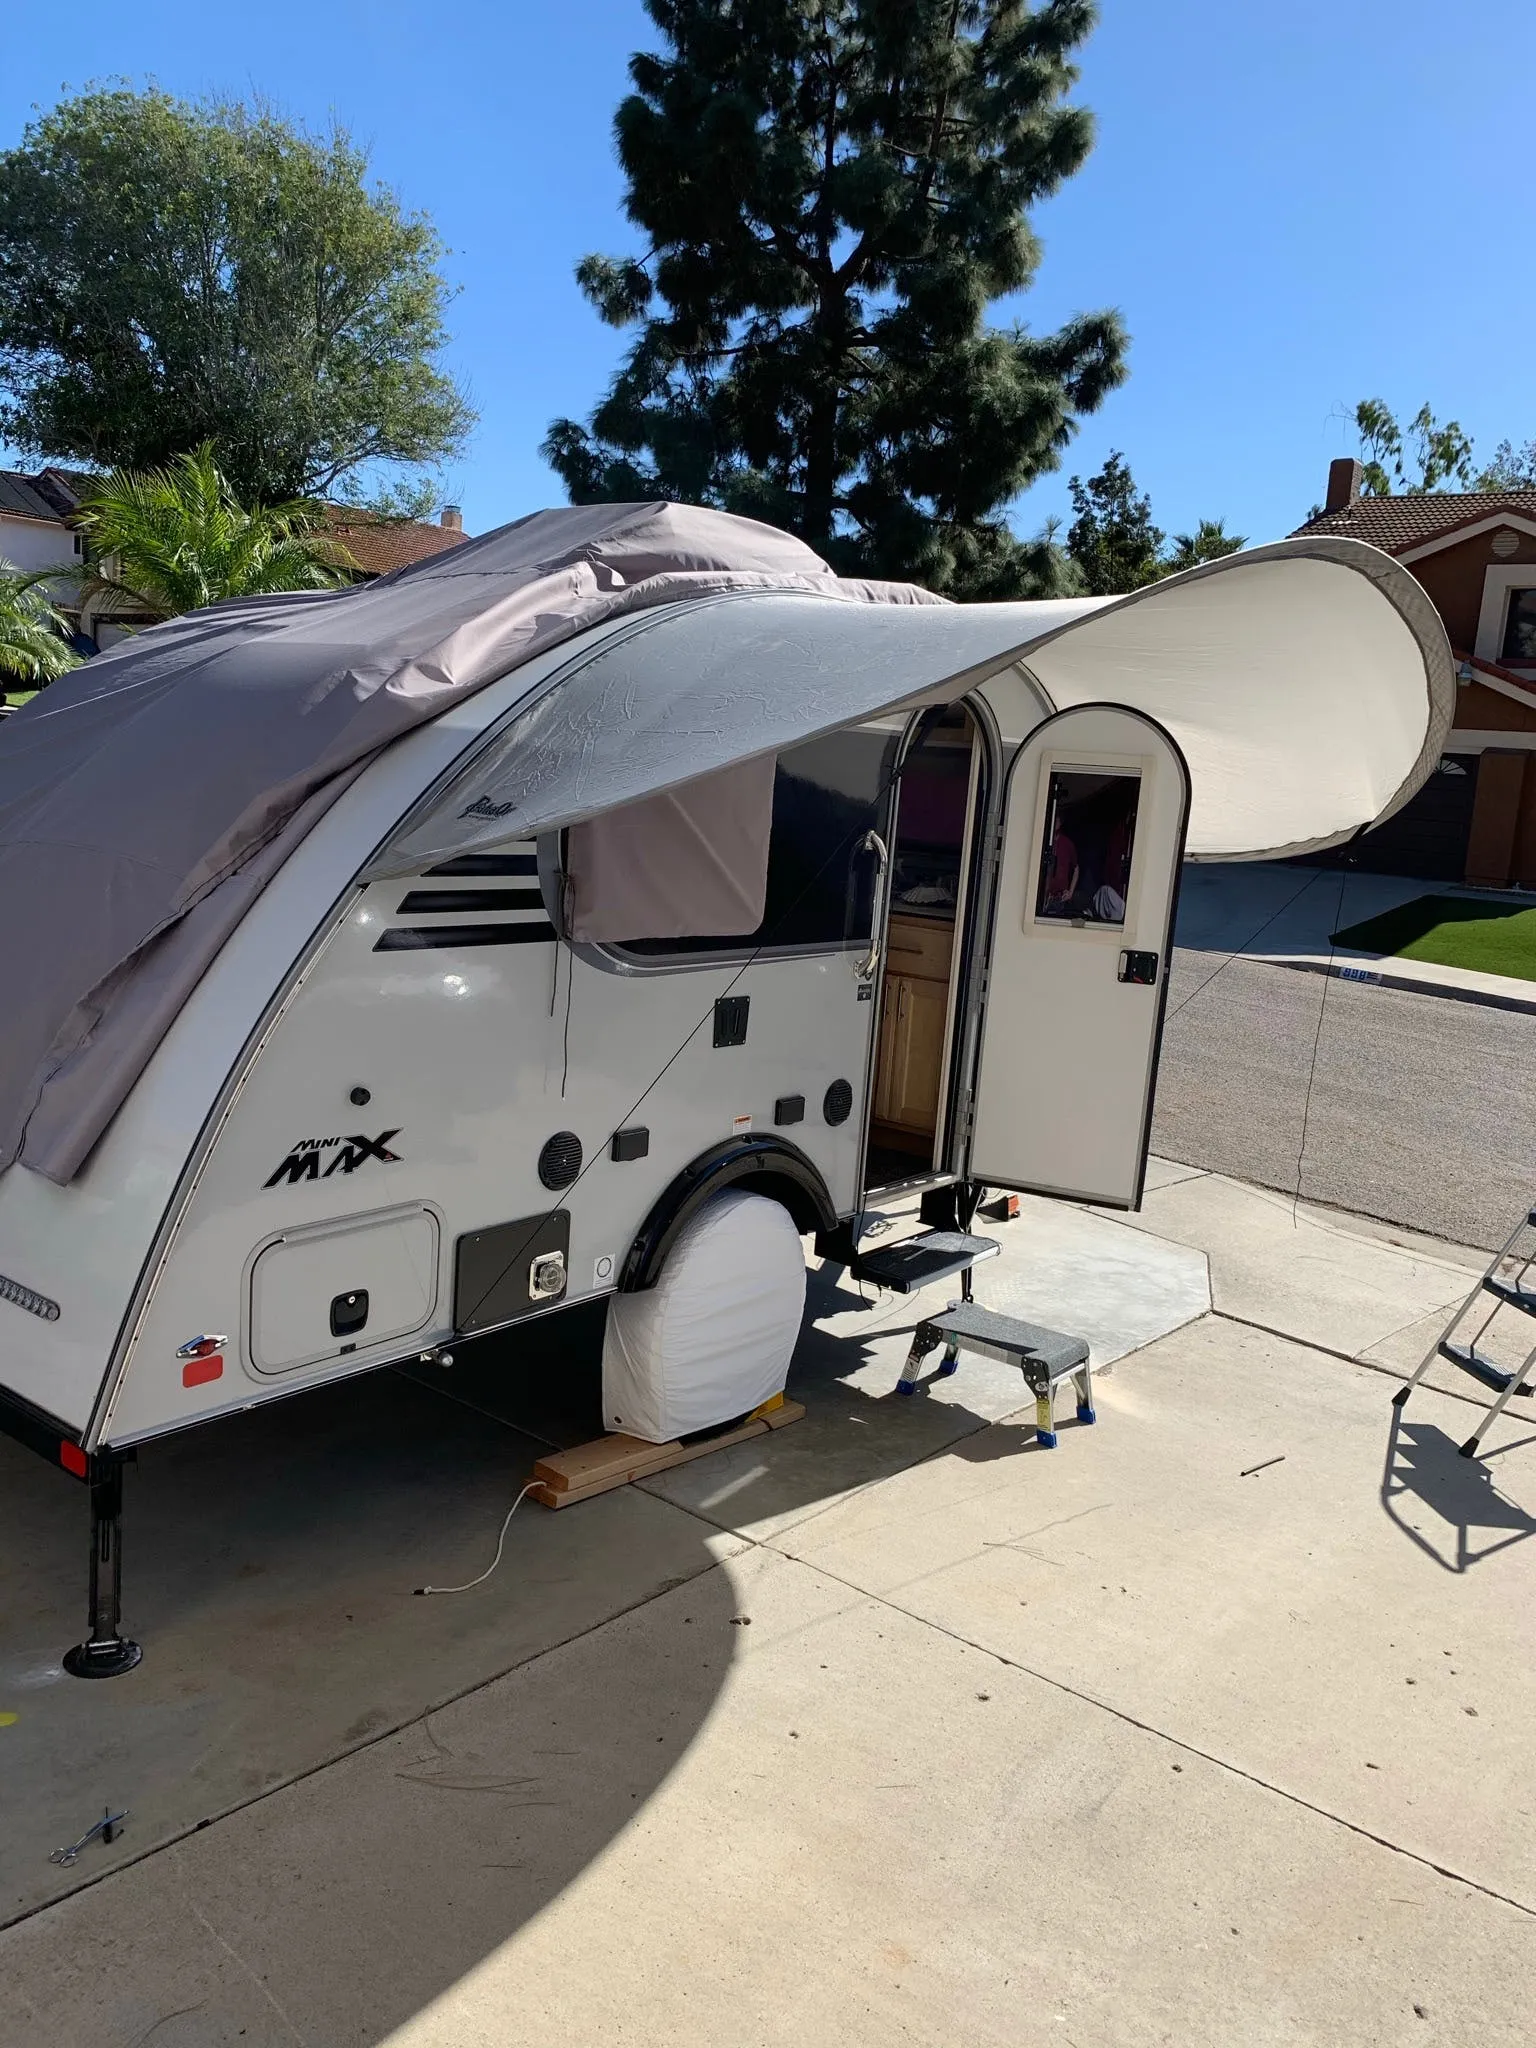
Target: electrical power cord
x=469, y=1585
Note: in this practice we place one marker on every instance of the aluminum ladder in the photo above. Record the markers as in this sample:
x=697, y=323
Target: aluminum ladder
x=1508, y=1290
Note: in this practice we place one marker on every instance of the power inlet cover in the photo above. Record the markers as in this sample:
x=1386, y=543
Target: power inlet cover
x=510, y=1270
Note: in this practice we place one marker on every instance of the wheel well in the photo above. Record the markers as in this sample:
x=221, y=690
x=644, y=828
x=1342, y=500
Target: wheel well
x=759, y=1165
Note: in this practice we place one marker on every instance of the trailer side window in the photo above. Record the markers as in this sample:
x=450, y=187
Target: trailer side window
x=826, y=795
x=1088, y=846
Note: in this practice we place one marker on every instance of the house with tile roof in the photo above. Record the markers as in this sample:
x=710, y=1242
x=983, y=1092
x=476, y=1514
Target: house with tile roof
x=38, y=531
x=1475, y=554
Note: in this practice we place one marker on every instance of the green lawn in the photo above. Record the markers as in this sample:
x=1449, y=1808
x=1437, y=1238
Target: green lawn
x=1453, y=931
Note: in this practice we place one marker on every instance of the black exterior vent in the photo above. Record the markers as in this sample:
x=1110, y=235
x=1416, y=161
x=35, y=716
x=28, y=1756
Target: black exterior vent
x=560, y=1160
x=837, y=1103
x=731, y=1019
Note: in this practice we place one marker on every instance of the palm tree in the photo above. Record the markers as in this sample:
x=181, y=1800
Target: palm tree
x=1208, y=543
x=172, y=540
x=33, y=649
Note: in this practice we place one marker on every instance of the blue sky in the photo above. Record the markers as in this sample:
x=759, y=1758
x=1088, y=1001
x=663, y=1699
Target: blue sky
x=1293, y=207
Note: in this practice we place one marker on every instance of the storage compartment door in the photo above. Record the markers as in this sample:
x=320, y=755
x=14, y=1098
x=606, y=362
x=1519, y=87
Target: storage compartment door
x=1094, y=811
x=330, y=1289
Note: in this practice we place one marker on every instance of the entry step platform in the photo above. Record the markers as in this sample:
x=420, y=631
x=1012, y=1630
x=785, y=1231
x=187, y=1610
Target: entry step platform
x=1045, y=1357
x=916, y=1262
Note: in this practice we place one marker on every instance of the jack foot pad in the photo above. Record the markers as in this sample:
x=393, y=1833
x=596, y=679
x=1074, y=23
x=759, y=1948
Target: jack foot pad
x=102, y=1660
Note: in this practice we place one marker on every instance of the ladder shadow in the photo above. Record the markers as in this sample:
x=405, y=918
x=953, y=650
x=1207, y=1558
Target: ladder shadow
x=1424, y=1463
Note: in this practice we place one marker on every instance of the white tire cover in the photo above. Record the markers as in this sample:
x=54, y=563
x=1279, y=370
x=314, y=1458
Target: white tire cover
x=714, y=1336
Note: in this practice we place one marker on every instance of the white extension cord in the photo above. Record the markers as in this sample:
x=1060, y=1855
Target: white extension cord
x=470, y=1584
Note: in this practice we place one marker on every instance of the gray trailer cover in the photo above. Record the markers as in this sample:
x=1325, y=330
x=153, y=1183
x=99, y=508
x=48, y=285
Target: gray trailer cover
x=146, y=799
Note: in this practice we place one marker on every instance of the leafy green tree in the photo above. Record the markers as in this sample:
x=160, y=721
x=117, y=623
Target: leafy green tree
x=1113, y=540
x=33, y=649
x=831, y=193
x=1114, y=546
x=1398, y=463
x=175, y=539
x=173, y=273
x=1512, y=469
x=1209, y=542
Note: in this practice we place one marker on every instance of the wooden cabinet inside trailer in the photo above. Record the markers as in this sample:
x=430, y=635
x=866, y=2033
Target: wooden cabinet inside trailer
x=911, y=1054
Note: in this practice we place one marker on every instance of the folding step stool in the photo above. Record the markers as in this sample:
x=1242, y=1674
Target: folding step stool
x=1045, y=1357
x=1517, y=1293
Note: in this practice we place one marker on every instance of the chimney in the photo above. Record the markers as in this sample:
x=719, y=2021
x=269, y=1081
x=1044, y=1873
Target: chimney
x=1343, y=485
x=452, y=516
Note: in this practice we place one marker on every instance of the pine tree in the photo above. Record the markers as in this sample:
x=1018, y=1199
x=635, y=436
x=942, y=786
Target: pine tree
x=832, y=192
x=1112, y=539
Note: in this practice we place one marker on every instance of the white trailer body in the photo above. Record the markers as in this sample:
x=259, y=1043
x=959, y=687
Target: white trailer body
x=408, y=1102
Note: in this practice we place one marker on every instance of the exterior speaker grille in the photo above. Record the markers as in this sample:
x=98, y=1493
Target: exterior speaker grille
x=837, y=1103
x=560, y=1161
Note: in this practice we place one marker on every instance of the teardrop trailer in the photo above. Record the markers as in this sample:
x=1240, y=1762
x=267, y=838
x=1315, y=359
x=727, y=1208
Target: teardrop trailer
x=397, y=965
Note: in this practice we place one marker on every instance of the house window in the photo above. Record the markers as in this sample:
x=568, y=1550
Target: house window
x=1520, y=627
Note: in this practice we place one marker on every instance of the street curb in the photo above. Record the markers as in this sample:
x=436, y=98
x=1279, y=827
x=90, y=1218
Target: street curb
x=1350, y=971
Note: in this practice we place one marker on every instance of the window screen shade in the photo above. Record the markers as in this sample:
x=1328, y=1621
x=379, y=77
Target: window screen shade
x=683, y=864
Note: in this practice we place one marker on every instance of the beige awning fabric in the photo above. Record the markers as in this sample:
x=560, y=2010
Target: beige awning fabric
x=1309, y=684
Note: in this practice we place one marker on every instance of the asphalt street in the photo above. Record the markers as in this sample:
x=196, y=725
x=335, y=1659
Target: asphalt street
x=1422, y=1110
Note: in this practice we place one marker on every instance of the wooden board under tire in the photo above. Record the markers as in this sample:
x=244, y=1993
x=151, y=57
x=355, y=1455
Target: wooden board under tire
x=566, y=1477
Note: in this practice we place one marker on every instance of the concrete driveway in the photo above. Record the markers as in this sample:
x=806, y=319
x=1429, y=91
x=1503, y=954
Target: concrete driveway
x=1208, y=1727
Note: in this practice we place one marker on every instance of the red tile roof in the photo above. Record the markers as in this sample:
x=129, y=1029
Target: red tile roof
x=379, y=545
x=1396, y=524
x=376, y=545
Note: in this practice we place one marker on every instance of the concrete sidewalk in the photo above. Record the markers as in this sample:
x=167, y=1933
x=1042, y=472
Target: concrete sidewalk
x=1287, y=916
x=1207, y=1728
x=1372, y=1293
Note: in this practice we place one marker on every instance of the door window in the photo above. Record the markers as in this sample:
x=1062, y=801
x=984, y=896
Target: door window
x=1088, y=846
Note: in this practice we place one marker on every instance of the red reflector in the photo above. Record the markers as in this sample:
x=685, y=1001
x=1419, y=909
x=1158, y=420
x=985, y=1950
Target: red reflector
x=73, y=1459
x=197, y=1372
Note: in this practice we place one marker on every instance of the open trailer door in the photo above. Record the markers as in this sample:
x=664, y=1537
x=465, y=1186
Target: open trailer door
x=1091, y=843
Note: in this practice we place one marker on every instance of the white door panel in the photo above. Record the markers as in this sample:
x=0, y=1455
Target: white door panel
x=1094, y=813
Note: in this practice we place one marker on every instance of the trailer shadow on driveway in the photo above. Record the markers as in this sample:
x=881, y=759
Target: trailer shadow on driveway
x=269, y=1567
x=270, y=1562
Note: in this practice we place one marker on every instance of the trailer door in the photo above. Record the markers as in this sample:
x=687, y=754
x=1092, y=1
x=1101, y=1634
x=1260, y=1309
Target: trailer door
x=1086, y=879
